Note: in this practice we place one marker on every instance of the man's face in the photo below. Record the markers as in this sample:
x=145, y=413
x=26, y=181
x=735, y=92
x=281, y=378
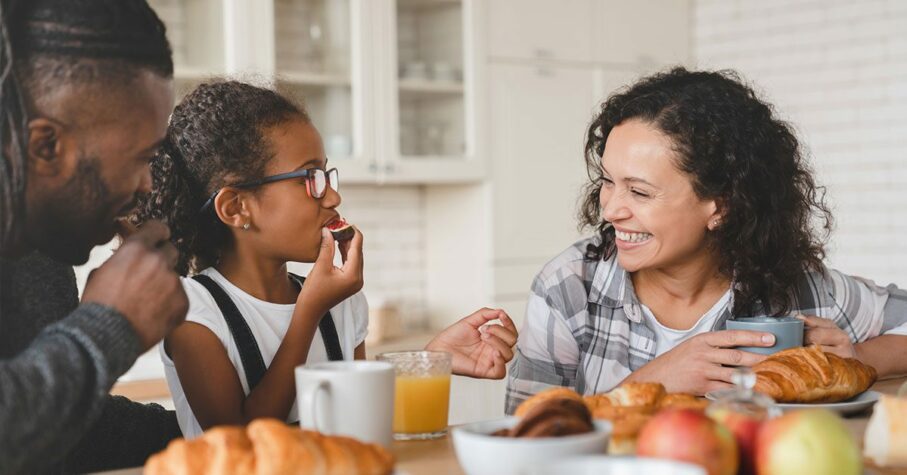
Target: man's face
x=103, y=157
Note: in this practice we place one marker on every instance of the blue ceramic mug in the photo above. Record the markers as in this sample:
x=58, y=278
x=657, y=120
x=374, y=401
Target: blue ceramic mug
x=788, y=332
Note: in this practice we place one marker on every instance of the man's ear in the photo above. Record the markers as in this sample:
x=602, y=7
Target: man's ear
x=46, y=156
x=231, y=208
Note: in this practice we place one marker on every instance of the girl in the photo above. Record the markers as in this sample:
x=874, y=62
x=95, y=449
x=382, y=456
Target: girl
x=243, y=183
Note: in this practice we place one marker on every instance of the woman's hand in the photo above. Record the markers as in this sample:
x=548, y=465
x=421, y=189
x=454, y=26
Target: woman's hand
x=824, y=332
x=705, y=362
x=479, y=349
x=326, y=285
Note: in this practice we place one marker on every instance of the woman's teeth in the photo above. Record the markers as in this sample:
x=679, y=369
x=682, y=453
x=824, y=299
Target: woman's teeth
x=632, y=237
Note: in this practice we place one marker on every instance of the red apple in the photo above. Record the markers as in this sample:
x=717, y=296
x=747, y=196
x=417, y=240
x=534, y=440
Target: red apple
x=691, y=436
x=745, y=429
x=809, y=442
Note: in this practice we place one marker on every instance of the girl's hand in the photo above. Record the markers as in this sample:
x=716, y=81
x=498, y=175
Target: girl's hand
x=327, y=285
x=479, y=349
x=824, y=332
x=705, y=362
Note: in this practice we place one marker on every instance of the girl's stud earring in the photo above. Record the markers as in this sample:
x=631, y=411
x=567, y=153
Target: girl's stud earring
x=246, y=226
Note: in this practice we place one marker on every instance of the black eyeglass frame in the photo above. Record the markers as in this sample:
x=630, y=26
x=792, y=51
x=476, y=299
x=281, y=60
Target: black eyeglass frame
x=304, y=173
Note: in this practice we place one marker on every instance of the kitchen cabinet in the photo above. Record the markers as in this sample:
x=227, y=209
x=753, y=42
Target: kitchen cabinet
x=541, y=30
x=392, y=85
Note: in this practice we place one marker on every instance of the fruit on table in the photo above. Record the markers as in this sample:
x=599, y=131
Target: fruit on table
x=689, y=435
x=745, y=428
x=808, y=442
x=341, y=230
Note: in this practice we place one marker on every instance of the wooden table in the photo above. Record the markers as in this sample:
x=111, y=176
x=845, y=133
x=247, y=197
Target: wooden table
x=437, y=456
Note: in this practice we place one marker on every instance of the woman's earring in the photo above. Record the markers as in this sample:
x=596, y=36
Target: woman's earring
x=714, y=224
x=246, y=226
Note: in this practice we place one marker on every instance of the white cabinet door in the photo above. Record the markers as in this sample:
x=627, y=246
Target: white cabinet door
x=538, y=121
x=650, y=33
x=541, y=29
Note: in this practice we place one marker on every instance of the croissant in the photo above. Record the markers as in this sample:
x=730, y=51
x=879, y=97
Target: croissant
x=269, y=447
x=809, y=375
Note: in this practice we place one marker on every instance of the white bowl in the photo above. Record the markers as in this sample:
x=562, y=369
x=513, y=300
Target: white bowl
x=480, y=453
x=621, y=465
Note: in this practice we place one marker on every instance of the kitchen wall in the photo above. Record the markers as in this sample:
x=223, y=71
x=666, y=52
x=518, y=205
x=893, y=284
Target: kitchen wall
x=837, y=69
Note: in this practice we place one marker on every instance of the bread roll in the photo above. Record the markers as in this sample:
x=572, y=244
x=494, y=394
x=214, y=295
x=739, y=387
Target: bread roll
x=809, y=375
x=885, y=441
x=269, y=447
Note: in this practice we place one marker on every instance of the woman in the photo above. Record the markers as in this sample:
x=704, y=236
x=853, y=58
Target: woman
x=243, y=182
x=704, y=209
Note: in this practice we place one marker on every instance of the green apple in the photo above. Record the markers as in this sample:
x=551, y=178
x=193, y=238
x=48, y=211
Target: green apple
x=808, y=442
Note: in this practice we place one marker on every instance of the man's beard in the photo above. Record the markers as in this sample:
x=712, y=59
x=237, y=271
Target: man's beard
x=77, y=217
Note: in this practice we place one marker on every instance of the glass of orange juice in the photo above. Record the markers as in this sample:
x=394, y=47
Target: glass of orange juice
x=421, y=394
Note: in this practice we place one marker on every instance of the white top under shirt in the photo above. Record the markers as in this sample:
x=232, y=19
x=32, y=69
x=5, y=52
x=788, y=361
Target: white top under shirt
x=667, y=338
x=268, y=322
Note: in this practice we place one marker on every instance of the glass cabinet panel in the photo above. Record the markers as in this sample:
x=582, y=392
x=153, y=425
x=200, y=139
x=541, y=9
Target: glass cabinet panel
x=313, y=48
x=430, y=78
x=196, y=34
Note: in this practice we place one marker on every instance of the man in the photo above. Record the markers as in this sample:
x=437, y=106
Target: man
x=85, y=92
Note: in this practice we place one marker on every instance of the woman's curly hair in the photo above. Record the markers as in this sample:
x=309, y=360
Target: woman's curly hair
x=738, y=153
x=216, y=137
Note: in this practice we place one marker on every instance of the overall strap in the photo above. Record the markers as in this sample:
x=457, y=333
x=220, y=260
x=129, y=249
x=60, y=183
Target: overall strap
x=328, y=330
x=249, y=352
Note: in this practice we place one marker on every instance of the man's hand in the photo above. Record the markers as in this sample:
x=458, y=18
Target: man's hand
x=824, y=332
x=705, y=362
x=139, y=282
x=479, y=349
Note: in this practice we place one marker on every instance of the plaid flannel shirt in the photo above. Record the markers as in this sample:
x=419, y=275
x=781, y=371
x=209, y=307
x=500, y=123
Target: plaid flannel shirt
x=584, y=326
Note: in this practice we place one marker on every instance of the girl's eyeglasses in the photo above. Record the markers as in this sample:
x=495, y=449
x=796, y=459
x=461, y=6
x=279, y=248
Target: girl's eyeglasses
x=316, y=183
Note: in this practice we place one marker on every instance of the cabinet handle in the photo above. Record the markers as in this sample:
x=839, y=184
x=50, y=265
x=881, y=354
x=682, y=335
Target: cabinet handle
x=390, y=168
x=543, y=53
x=373, y=167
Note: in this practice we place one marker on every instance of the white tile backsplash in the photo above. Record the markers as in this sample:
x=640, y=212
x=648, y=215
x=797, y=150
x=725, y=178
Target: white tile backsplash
x=837, y=69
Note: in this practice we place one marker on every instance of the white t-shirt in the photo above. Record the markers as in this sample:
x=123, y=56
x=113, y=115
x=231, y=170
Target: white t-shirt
x=268, y=322
x=667, y=338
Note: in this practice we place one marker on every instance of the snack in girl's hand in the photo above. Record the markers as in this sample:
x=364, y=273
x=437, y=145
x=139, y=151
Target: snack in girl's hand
x=341, y=230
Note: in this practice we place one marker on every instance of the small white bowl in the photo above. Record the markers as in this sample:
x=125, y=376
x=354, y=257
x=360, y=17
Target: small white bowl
x=621, y=465
x=481, y=453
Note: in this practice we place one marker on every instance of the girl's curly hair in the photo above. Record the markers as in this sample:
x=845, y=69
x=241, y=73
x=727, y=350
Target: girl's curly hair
x=216, y=137
x=737, y=152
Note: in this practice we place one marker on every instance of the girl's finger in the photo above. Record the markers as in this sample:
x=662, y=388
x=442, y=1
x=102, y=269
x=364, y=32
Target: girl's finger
x=482, y=316
x=496, y=343
x=325, y=259
x=507, y=322
x=354, y=258
x=504, y=334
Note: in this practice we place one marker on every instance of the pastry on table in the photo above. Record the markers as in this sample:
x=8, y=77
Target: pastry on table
x=546, y=395
x=269, y=447
x=553, y=417
x=885, y=442
x=683, y=401
x=624, y=433
x=628, y=407
x=810, y=375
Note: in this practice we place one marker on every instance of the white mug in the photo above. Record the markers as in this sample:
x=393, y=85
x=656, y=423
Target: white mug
x=351, y=398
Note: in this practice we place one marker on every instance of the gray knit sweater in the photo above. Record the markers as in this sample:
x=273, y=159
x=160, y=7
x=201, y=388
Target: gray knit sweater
x=58, y=361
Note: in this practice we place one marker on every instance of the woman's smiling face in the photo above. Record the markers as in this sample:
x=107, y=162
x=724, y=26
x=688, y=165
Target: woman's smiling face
x=659, y=220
